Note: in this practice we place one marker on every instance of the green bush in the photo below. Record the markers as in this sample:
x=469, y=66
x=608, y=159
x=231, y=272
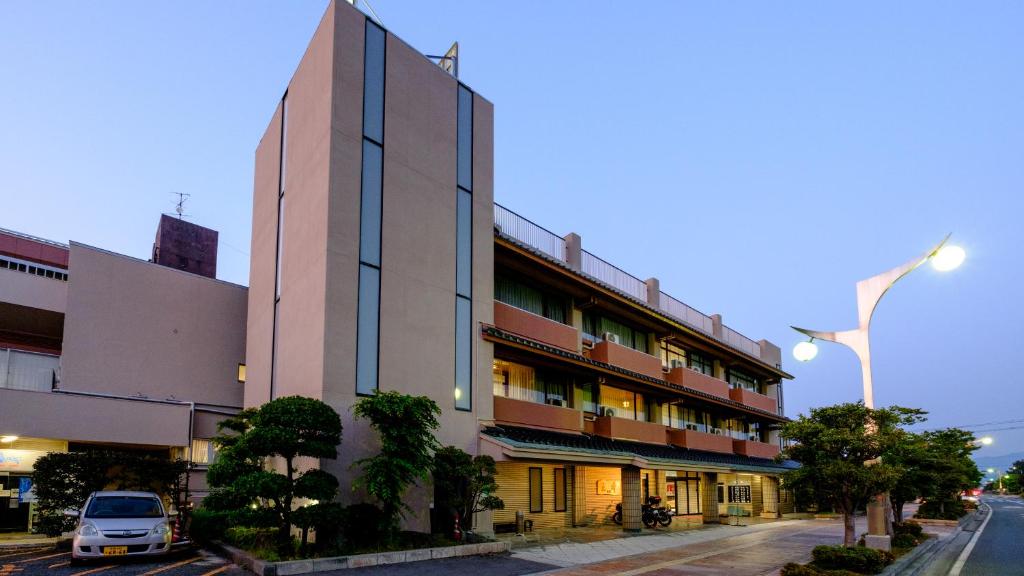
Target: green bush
x=207, y=525
x=363, y=525
x=904, y=541
x=856, y=559
x=909, y=527
x=250, y=538
x=946, y=511
x=793, y=569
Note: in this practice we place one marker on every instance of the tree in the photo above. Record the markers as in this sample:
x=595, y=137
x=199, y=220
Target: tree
x=949, y=467
x=832, y=446
x=406, y=427
x=285, y=428
x=910, y=456
x=465, y=484
x=64, y=480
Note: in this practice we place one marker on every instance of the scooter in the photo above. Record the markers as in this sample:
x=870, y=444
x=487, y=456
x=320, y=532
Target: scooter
x=651, y=513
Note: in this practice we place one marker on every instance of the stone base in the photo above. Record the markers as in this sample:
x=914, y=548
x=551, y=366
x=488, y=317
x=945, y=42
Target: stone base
x=883, y=542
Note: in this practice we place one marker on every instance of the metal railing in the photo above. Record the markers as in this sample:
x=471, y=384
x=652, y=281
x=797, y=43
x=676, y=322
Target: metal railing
x=525, y=231
x=613, y=276
x=741, y=342
x=686, y=314
x=20, y=370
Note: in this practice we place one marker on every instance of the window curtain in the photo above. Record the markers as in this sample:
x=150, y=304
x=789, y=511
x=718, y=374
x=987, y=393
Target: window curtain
x=622, y=403
x=521, y=381
x=530, y=299
x=595, y=326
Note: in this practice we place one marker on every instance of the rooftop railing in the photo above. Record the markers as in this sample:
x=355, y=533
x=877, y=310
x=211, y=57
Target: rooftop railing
x=535, y=236
x=613, y=276
x=525, y=231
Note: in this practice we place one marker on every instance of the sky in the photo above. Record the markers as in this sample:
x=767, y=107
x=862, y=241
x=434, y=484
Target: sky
x=758, y=158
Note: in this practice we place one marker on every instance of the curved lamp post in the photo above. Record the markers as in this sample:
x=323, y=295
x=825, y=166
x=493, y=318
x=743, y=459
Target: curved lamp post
x=869, y=293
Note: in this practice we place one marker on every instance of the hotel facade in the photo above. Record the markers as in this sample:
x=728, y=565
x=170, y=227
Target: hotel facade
x=380, y=261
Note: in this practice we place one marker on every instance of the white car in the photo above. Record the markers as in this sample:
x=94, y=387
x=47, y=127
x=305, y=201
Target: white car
x=121, y=524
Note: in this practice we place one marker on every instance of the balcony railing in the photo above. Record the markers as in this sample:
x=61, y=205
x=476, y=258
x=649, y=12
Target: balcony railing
x=613, y=276
x=525, y=231
x=553, y=245
x=20, y=370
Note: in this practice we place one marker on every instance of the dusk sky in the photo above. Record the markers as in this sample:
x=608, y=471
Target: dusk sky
x=758, y=158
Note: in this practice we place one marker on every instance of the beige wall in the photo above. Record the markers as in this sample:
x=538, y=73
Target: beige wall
x=136, y=328
x=33, y=291
x=89, y=419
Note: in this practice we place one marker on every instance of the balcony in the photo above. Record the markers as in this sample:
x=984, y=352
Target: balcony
x=534, y=415
x=695, y=440
x=539, y=328
x=627, y=358
x=698, y=381
x=755, y=449
x=754, y=400
x=625, y=429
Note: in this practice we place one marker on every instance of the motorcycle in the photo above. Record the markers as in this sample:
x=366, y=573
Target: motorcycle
x=651, y=513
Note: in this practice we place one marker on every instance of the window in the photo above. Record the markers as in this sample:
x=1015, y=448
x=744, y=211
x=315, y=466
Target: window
x=371, y=198
x=279, y=245
x=465, y=139
x=687, y=418
x=464, y=244
x=520, y=382
x=203, y=451
x=585, y=397
x=670, y=352
x=621, y=403
x=536, y=490
x=463, y=354
x=526, y=297
x=739, y=379
x=701, y=363
x=241, y=373
x=595, y=325
x=560, y=504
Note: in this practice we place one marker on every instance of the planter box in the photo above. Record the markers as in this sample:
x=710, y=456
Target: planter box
x=534, y=327
x=312, y=565
x=698, y=381
x=626, y=357
x=695, y=440
x=755, y=449
x=625, y=429
x=754, y=400
x=534, y=415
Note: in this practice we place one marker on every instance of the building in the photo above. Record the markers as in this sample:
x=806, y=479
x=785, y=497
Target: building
x=381, y=262
x=100, y=350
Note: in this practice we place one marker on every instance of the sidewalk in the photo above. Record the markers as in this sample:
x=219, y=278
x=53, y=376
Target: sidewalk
x=23, y=540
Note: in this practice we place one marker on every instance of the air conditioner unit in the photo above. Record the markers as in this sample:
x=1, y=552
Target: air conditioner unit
x=691, y=427
x=753, y=438
x=556, y=402
x=608, y=412
x=609, y=337
x=717, y=431
x=676, y=363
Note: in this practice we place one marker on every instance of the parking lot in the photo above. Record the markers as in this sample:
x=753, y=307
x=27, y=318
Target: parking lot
x=190, y=562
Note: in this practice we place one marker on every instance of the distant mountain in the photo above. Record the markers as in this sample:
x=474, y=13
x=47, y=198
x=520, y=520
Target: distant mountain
x=998, y=462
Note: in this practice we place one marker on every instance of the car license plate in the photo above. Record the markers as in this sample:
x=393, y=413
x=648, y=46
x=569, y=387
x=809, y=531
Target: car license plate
x=115, y=550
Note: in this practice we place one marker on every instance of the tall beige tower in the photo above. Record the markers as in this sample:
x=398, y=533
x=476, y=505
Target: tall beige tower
x=372, y=238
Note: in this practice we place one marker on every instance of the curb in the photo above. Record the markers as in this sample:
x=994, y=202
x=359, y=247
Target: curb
x=313, y=565
x=908, y=559
x=932, y=548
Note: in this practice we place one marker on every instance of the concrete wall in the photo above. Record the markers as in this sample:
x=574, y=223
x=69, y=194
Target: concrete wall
x=133, y=327
x=88, y=419
x=33, y=291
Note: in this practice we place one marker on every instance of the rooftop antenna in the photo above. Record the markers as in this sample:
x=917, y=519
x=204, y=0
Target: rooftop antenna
x=450, y=61
x=179, y=206
x=370, y=8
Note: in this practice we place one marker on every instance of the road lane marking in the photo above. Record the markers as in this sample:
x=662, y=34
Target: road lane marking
x=23, y=552
x=94, y=570
x=217, y=570
x=57, y=565
x=962, y=559
x=41, y=558
x=170, y=566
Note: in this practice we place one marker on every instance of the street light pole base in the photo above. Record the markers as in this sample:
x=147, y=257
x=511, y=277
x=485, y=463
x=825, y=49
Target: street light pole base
x=878, y=542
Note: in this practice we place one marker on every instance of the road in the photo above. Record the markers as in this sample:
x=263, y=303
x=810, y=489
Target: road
x=55, y=563
x=1000, y=547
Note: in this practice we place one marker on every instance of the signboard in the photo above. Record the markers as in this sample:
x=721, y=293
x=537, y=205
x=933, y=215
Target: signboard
x=26, y=490
x=609, y=487
x=19, y=460
x=450, y=61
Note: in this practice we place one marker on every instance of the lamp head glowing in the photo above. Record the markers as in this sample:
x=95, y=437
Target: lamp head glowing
x=991, y=470
x=805, y=351
x=948, y=258
x=986, y=440
x=8, y=439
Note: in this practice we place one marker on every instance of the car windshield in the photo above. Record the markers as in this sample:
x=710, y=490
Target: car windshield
x=124, y=507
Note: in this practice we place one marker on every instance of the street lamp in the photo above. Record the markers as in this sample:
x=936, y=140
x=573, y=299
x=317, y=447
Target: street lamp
x=869, y=292
x=986, y=440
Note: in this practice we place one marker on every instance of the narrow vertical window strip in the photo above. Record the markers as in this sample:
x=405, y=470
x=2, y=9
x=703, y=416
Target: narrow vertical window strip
x=464, y=250
x=279, y=245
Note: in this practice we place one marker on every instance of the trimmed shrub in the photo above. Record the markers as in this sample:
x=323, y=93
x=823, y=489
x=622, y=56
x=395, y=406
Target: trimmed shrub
x=857, y=559
x=251, y=538
x=363, y=525
x=207, y=525
x=904, y=541
x=794, y=569
x=946, y=511
x=909, y=527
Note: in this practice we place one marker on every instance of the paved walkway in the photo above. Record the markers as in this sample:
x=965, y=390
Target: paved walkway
x=720, y=550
